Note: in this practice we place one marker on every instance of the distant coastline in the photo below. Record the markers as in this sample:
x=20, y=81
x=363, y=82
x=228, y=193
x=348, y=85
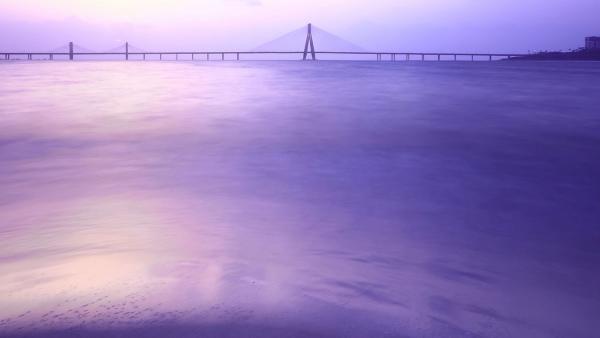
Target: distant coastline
x=577, y=55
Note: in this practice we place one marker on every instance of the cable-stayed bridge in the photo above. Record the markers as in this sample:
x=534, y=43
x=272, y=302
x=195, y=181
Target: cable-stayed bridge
x=316, y=42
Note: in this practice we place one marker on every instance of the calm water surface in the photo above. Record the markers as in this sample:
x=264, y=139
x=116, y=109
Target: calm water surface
x=297, y=199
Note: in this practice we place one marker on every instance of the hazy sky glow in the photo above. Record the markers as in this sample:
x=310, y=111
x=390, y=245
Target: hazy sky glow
x=424, y=25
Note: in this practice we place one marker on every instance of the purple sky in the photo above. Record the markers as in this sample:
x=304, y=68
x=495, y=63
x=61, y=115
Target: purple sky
x=400, y=25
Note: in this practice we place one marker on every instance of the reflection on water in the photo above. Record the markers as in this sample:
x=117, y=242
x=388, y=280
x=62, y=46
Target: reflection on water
x=299, y=199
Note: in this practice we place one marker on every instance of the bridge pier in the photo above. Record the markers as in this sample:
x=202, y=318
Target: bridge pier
x=422, y=57
x=490, y=58
x=455, y=57
x=238, y=56
x=192, y=56
x=176, y=57
x=207, y=57
x=160, y=57
x=472, y=57
x=144, y=55
x=71, y=51
x=51, y=56
x=222, y=56
x=439, y=57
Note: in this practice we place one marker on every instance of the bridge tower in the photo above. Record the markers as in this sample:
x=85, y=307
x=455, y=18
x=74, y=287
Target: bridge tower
x=71, y=51
x=309, y=42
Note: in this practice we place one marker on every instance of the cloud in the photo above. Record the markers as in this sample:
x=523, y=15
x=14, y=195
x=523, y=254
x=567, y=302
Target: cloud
x=247, y=2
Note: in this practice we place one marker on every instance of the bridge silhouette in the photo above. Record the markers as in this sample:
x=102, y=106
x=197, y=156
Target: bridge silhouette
x=271, y=49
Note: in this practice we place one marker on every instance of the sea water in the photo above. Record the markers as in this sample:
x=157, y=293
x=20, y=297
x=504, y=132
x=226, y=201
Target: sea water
x=299, y=199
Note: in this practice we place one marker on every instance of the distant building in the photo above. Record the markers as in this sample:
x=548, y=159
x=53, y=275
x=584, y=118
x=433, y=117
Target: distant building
x=592, y=42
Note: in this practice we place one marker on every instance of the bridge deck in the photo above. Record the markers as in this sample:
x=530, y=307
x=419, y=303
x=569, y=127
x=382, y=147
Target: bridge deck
x=391, y=56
